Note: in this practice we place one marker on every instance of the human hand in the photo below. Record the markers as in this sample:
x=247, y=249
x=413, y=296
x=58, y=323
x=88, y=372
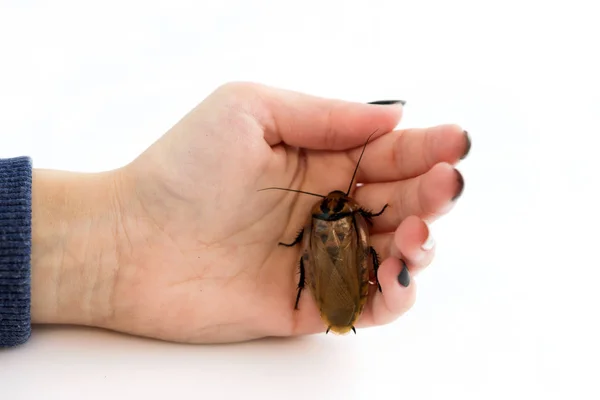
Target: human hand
x=194, y=255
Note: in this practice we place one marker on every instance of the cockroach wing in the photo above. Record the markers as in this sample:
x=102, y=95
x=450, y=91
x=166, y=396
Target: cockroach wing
x=363, y=250
x=364, y=244
x=337, y=271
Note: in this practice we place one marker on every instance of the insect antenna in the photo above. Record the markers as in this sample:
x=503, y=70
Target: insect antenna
x=292, y=190
x=358, y=163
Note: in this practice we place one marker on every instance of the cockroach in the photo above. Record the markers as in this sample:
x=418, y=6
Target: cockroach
x=337, y=256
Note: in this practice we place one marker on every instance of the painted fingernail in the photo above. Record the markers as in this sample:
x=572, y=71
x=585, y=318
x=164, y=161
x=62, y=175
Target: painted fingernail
x=404, y=276
x=429, y=242
x=468, y=145
x=388, y=102
x=461, y=184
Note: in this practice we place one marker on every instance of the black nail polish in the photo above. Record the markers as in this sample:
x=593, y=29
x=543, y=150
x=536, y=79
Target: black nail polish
x=404, y=276
x=461, y=184
x=468, y=145
x=387, y=102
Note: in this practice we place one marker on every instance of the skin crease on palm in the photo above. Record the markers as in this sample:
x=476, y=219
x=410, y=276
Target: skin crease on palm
x=186, y=248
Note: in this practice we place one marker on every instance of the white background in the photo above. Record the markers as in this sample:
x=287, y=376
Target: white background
x=510, y=305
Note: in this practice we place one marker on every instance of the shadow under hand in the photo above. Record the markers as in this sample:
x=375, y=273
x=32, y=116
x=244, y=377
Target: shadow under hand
x=296, y=366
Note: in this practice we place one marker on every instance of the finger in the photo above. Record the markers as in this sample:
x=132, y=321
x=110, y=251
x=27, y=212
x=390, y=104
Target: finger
x=411, y=152
x=414, y=243
x=302, y=120
x=397, y=296
x=427, y=196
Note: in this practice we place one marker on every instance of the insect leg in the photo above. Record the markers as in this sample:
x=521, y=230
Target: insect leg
x=368, y=215
x=296, y=241
x=380, y=212
x=375, y=265
x=300, y=282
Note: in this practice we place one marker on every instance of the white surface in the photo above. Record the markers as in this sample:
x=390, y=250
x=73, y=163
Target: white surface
x=509, y=307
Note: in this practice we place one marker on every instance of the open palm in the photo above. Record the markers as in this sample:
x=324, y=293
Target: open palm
x=203, y=262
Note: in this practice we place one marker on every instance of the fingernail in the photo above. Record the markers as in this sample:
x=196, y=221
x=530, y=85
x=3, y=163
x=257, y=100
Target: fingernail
x=388, y=102
x=429, y=242
x=404, y=277
x=461, y=185
x=468, y=145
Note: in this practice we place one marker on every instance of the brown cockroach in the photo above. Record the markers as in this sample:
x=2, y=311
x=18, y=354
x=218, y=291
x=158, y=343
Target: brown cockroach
x=336, y=250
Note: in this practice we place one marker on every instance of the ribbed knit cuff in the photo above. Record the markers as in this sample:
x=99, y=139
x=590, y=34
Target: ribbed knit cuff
x=15, y=250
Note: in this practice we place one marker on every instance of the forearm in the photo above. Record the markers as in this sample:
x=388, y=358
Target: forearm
x=73, y=258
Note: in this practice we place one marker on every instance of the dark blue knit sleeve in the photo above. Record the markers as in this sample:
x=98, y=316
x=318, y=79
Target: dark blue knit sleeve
x=15, y=250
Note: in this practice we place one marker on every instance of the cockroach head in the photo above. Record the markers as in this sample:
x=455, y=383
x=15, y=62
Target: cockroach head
x=334, y=206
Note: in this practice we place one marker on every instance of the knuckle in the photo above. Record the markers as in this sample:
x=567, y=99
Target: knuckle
x=235, y=87
x=237, y=92
x=399, y=153
x=331, y=136
x=402, y=197
x=234, y=99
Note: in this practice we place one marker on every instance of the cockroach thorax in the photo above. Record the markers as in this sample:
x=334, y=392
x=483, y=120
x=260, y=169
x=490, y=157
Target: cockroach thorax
x=334, y=206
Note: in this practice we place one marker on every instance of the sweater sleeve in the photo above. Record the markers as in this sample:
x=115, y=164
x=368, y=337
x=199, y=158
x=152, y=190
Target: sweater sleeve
x=15, y=250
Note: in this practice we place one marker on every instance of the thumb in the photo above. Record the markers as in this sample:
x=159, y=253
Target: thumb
x=301, y=120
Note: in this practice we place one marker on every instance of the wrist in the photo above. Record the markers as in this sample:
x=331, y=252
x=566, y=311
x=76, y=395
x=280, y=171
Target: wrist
x=73, y=258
